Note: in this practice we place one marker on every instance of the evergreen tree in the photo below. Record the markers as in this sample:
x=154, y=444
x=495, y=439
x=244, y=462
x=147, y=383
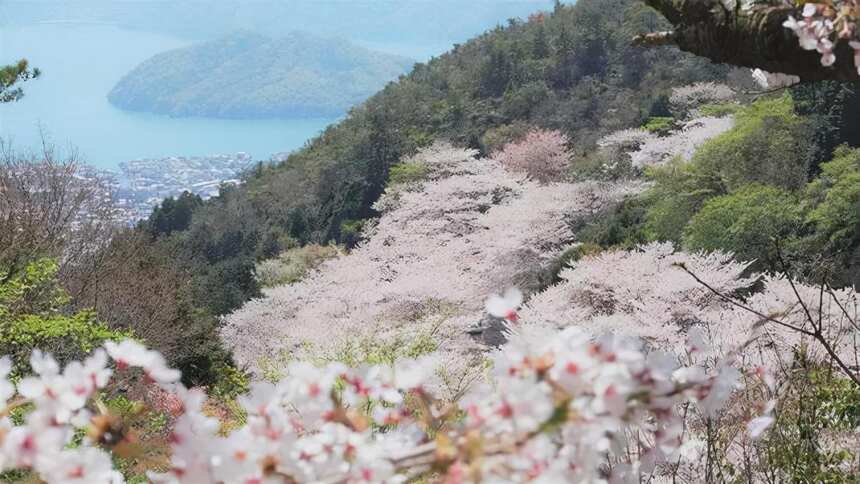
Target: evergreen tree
x=540, y=46
x=173, y=215
x=12, y=75
x=833, y=109
x=495, y=73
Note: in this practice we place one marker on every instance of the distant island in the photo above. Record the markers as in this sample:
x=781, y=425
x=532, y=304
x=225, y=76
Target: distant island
x=249, y=75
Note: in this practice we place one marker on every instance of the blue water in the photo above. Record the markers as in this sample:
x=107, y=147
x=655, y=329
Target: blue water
x=81, y=63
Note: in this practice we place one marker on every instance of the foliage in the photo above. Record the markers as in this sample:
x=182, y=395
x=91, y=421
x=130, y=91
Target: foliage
x=833, y=200
x=298, y=75
x=407, y=173
x=605, y=163
x=173, y=214
x=13, y=75
x=369, y=351
x=568, y=258
x=542, y=155
x=351, y=232
x=765, y=146
x=754, y=189
x=292, y=265
x=31, y=316
x=620, y=226
x=659, y=124
x=145, y=286
x=832, y=110
x=231, y=382
x=719, y=110
x=748, y=222
x=496, y=138
x=817, y=407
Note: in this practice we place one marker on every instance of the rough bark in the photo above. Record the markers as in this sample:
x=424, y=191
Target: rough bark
x=748, y=38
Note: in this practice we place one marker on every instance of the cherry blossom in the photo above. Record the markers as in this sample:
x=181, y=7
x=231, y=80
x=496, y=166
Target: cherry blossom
x=130, y=353
x=472, y=228
x=505, y=306
x=558, y=405
x=542, y=155
x=823, y=25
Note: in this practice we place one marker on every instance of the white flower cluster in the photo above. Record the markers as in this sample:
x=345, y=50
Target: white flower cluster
x=773, y=80
x=685, y=99
x=560, y=409
x=60, y=400
x=653, y=150
x=822, y=25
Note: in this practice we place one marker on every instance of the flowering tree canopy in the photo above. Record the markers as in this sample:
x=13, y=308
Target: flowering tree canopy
x=815, y=42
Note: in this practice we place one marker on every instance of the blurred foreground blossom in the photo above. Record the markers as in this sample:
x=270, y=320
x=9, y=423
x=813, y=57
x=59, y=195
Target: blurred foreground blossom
x=560, y=406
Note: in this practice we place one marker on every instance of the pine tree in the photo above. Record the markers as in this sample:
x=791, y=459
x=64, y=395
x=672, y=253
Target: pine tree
x=833, y=109
x=13, y=74
x=495, y=74
x=540, y=47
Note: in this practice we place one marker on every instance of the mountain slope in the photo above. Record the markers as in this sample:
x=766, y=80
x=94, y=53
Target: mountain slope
x=572, y=70
x=248, y=75
x=472, y=229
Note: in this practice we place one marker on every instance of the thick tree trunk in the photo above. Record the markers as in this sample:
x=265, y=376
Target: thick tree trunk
x=747, y=38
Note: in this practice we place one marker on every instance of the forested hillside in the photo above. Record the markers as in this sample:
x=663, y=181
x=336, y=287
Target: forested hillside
x=572, y=69
x=667, y=254
x=297, y=75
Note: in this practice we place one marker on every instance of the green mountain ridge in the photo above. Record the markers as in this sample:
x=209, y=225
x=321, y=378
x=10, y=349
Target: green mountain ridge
x=249, y=75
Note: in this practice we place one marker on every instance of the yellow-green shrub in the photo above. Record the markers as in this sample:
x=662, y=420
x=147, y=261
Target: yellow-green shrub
x=32, y=305
x=293, y=264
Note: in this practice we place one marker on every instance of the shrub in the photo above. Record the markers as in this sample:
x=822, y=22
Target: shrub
x=659, y=124
x=816, y=418
x=519, y=103
x=542, y=155
x=676, y=196
x=31, y=317
x=747, y=222
x=293, y=264
x=620, y=226
x=407, y=173
x=496, y=138
x=609, y=163
x=568, y=257
x=350, y=232
x=768, y=145
x=719, y=110
x=833, y=200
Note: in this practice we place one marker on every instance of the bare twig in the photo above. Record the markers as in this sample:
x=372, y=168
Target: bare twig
x=817, y=335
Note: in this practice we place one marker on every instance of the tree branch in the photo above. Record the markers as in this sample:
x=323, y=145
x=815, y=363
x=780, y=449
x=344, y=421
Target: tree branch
x=752, y=38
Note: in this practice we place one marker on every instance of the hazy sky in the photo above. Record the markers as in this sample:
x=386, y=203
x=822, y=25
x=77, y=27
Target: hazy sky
x=426, y=27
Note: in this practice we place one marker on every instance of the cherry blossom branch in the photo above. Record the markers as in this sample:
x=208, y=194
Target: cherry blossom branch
x=740, y=305
x=754, y=37
x=817, y=334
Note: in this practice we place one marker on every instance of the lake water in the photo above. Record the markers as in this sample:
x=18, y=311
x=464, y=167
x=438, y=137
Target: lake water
x=81, y=63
